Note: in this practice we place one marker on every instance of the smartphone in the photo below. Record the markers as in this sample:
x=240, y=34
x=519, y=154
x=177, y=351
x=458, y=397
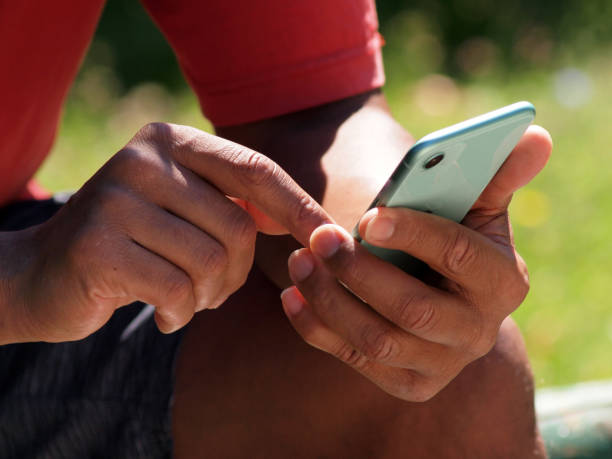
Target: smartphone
x=445, y=171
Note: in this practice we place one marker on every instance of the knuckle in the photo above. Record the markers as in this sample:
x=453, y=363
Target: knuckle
x=481, y=340
x=423, y=392
x=448, y=366
x=412, y=387
x=510, y=286
x=213, y=259
x=243, y=227
x=309, y=333
x=130, y=162
x=459, y=254
x=345, y=265
x=177, y=287
x=416, y=237
x=232, y=281
x=321, y=298
x=351, y=356
x=379, y=345
x=487, y=342
x=155, y=131
x=418, y=313
x=481, y=349
x=521, y=285
x=185, y=140
x=305, y=208
x=524, y=287
x=146, y=153
x=242, y=277
x=97, y=309
x=253, y=168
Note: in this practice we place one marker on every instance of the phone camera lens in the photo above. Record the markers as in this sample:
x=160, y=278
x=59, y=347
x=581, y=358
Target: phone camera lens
x=434, y=161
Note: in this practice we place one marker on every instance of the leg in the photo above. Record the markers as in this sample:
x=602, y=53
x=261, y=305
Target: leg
x=248, y=386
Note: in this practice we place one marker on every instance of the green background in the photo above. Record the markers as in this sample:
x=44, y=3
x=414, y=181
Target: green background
x=445, y=61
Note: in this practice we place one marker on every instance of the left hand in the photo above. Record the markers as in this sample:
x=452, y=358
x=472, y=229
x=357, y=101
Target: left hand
x=409, y=337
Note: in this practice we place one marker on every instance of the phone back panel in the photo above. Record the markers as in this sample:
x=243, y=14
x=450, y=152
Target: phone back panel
x=473, y=151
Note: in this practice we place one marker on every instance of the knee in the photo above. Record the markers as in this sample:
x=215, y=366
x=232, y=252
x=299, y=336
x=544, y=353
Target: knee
x=506, y=368
x=497, y=394
x=486, y=412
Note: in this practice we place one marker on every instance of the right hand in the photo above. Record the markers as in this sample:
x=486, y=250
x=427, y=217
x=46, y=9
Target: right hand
x=153, y=224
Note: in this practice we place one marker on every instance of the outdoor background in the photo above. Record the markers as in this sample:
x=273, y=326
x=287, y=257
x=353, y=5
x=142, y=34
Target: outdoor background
x=446, y=60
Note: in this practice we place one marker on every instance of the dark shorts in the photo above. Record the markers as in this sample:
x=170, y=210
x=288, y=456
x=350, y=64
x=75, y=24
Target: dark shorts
x=106, y=396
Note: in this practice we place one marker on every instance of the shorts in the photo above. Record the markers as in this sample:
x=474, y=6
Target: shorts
x=106, y=396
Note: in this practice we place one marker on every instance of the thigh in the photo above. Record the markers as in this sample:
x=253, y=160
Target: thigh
x=247, y=385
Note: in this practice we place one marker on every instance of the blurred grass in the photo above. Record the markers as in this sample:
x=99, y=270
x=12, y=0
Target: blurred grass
x=562, y=220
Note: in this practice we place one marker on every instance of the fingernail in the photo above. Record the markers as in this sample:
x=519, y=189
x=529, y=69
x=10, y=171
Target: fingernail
x=325, y=241
x=379, y=229
x=293, y=303
x=301, y=265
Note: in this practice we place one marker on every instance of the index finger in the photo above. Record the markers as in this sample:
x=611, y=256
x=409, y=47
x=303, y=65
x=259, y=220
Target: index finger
x=244, y=173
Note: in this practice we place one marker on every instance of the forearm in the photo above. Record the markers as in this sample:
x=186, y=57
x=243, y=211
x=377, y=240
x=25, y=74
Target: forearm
x=341, y=153
x=323, y=147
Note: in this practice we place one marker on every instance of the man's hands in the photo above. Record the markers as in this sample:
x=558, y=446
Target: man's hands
x=409, y=337
x=154, y=224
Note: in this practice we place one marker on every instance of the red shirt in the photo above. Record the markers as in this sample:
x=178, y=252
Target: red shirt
x=246, y=60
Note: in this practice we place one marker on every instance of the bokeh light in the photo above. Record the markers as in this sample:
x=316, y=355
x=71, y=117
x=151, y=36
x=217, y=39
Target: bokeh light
x=530, y=208
x=573, y=87
x=477, y=56
x=437, y=95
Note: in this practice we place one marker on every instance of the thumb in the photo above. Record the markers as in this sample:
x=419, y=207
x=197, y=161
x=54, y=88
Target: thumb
x=525, y=162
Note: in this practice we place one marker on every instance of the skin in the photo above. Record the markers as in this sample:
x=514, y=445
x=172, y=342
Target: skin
x=411, y=337
x=248, y=385
x=153, y=224
x=265, y=392
x=134, y=241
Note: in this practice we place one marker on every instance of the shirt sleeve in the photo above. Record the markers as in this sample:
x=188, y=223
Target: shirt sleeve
x=250, y=60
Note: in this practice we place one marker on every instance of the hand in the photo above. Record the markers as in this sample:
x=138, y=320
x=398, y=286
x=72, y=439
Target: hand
x=154, y=224
x=328, y=151
x=409, y=337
